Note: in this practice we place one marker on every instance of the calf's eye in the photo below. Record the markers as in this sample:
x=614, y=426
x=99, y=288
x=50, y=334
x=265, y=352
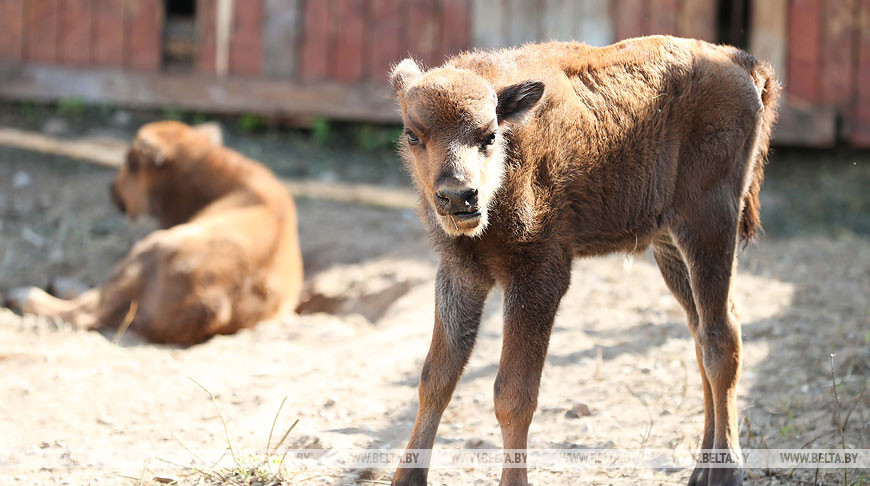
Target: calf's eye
x=490, y=139
x=413, y=139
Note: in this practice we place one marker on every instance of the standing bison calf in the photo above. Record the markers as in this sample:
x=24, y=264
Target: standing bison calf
x=527, y=158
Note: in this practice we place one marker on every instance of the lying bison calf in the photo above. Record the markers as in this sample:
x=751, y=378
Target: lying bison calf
x=227, y=258
x=527, y=158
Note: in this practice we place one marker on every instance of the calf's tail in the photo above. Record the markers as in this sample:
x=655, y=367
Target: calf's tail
x=769, y=89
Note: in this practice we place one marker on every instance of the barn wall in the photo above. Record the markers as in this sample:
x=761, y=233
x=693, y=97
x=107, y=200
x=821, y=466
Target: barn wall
x=819, y=48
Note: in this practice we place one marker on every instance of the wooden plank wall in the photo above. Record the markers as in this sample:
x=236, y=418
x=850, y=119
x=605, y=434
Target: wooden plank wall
x=115, y=33
x=819, y=48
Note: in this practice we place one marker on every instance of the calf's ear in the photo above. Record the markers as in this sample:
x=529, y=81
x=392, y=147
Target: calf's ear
x=515, y=101
x=152, y=149
x=212, y=131
x=404, y=74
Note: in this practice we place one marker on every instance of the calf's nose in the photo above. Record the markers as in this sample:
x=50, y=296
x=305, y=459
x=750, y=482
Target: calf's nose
x=456, y=199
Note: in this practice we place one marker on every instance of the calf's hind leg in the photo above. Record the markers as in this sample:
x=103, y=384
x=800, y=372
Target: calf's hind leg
x=676, y=275
x=708, y=242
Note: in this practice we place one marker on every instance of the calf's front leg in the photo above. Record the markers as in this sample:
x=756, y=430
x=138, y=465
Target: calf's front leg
x=459, y=300
x=530, y=304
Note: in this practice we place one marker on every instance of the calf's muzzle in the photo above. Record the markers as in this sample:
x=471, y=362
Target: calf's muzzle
x=455, y=199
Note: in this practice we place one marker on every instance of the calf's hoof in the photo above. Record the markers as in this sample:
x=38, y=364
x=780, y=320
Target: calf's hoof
x=699, y=476
x=725, y=477
x=409, y=477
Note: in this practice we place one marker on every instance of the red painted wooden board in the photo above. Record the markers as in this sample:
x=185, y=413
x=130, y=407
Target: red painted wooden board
x=629, y=19
x=663, y=15
x=314, y=63
x=246, y=41
x=804, y=47
x=40, y=28
x=347, y=61
x=11, y=29
x=698, y=19
x=206, y=12
x=455, y=26
x=423, y=31
x=109, y=29
x=145, y=25
x=837, y=54
x=861, y=129
x=74, y=32
x=383, y=38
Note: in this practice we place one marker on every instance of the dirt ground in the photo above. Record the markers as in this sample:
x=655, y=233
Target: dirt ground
x=620, y=344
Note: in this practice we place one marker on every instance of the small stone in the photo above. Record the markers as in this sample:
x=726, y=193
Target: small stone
x=578, y=410
x=166, y=479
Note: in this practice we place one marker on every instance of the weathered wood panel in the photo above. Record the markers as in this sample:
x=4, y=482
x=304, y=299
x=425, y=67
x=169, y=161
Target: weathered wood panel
x=280, y=37
x=384, y=38
x=560, y=20
x=837, y=53
x=486, y=23
x=348, y=61
x=109, y=28
x=40, y=27
x=74, y=32
x=629, y=18
x=145, y=27
x=233, y=95
x=861, y=124
x=804, y=44
x=246, y=38
x=768, y=37
x=206, y=33
x=595, y=23
x=663, y=16
x=423, y=31
x=522, y=22
x=11, y=29
x=455, y=26
x=697, y=19
x=315, y=57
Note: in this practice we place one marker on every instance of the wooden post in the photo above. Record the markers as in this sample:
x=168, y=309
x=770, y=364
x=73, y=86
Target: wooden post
x=837, y=51
x=486, y=23
x=560, y=20
x=697, y=18
x=280, y=37
x=109, y=29
x=522, y=22
x=768, y=37
x=595, y=22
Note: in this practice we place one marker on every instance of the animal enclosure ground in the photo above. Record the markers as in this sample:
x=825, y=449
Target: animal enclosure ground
x=620, y=344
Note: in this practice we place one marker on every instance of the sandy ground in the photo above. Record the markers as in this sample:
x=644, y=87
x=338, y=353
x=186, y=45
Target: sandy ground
x=620, y=346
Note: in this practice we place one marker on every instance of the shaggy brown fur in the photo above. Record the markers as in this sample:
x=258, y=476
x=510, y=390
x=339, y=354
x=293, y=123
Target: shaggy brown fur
x=527, y=158
x=228, y=256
